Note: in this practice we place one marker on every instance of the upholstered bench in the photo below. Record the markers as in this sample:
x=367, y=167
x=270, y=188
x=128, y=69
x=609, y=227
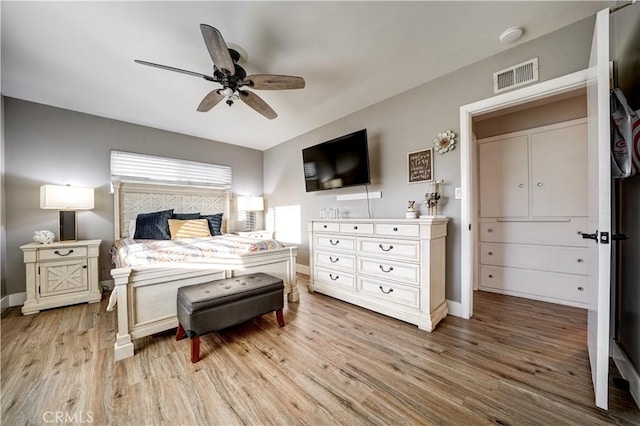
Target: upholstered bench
x=203, y=308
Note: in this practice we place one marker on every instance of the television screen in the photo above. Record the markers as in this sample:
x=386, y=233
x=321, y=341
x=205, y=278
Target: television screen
x=337, y=163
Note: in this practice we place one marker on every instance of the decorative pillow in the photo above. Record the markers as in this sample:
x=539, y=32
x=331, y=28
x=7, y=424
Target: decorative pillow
x=185, y=216
x=215, y=223
x=153, y=226
x=132, y=228
x=188, y=228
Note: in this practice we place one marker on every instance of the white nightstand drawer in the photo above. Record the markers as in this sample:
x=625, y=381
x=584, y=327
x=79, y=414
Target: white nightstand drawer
x=335, y=278
x=406, y=272
x=336, y=242
x=390, y=292
x=356, y=228
x=387, y=248
x=334, y=260
x=326, y=226
x=61, y=253
x=400, y=229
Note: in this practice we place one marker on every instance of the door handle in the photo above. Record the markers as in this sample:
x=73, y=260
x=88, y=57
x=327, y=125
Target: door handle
x=593, y=236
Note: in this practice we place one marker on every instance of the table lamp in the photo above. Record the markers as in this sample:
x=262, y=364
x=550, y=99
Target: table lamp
x=68, y=199
x=250, y=205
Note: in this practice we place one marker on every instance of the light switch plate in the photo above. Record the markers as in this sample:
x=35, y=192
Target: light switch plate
x=458, y=193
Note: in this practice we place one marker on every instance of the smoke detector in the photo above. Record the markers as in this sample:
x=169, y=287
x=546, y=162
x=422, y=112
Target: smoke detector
x=511, y=35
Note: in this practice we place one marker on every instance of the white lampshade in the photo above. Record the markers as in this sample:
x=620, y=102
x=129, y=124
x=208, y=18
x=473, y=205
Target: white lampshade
x=67, y=197
x=250, y=204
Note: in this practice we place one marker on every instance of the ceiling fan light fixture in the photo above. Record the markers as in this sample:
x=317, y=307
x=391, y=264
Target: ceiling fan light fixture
x=511, y=35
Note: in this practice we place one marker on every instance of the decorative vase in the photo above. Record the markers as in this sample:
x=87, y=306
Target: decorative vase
x=44, y=237
x=411, y=214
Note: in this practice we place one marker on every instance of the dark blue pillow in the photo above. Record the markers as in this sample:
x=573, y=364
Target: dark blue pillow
x=153, y=226
x=215, y=223
x=185, y=216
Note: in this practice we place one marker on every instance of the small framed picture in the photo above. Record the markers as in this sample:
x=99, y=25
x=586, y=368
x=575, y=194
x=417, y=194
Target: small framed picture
x=420, y=165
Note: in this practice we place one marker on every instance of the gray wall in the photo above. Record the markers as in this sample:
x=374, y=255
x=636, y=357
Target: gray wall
x=409, y=122
x=3, y=216
x=50, y=145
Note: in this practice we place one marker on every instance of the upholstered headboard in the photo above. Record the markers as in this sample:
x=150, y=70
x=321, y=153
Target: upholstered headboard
x=130, y=199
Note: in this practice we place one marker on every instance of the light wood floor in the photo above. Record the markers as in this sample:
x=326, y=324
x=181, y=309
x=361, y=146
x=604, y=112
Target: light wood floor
x=516, y=362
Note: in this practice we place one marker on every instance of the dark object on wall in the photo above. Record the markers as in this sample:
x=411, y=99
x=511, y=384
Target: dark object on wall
x=233, y=77
x=337, y=163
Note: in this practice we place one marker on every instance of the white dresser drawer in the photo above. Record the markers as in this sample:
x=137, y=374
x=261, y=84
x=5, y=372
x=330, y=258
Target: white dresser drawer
x=390, y=269
x=388, y=248
x=335, y=242
x=356, y=228
x=537, y=283
x=570, y=260
x=62, y=253
x=336, y=260
x=338, y=279
x=526, y=232
x=326, y=226
x=390, y=292
x=398, y=229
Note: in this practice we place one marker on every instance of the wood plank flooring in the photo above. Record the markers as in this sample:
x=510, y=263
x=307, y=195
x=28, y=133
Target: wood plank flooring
x=517, y=362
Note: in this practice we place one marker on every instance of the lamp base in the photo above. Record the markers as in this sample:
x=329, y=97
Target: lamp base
x=68, y=225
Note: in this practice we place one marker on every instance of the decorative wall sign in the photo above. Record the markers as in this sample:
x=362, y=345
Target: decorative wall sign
x=420, y=166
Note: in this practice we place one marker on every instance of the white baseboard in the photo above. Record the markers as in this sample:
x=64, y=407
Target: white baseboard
x=4, y=304
x=455, y=308
x=303, y=269
x=628, y=372
x=17, y=299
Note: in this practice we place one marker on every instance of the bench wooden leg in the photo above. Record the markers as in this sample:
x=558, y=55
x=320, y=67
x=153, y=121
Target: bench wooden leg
x=181, y=333
x=280, y=317
x=195, y=349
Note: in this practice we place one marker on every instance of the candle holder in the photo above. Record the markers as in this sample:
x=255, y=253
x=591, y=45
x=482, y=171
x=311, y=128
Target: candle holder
x=431, y=198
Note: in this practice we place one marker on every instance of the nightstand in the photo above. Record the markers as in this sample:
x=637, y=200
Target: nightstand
x=61, y=274
x=258, y=235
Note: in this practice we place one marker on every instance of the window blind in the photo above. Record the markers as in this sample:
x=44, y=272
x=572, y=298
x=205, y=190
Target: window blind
x=129, y=166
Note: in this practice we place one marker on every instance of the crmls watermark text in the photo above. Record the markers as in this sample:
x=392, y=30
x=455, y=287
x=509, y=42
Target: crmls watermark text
x=67, y=417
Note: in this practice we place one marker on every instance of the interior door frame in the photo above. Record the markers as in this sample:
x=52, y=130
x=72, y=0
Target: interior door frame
x=469, y=168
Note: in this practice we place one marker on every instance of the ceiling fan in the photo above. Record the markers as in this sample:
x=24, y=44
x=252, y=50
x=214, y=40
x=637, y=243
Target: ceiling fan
x=233, y=77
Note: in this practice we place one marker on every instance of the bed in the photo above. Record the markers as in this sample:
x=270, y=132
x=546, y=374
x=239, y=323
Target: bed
x=144, y=295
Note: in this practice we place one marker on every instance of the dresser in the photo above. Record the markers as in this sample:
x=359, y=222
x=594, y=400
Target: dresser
x=533, y=208
x=392, y=266
x=61, y=274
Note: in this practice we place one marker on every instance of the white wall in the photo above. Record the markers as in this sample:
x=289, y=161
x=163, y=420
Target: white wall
x=409, y=122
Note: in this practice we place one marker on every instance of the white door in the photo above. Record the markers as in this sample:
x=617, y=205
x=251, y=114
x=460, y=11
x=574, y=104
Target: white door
x=599, y=208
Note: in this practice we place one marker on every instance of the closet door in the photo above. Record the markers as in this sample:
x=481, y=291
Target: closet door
x=559, y=171
x=504, y=177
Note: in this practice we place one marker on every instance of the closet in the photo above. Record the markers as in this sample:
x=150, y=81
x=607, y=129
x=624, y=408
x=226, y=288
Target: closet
x=532, y=187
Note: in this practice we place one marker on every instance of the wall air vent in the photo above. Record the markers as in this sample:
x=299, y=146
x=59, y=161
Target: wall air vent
x=515, y=76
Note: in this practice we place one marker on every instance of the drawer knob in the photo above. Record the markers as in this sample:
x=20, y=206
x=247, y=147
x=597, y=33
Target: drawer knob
x=333, y=261
x=580, y=261
x=489, y=230
x=334, y=244
x=334, y=278
x=384, y=249
x=490, y=253
x=388, y=270
x=490, y=275
x=521, y=185
x=84, y=266
x=580, y=288
x=395, y=228
x=385, y=292
x=324, y=226
x=355, y=227
x=539, y=184
x=66, y=254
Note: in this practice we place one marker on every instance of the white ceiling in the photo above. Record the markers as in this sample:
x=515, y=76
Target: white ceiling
x=80, y=56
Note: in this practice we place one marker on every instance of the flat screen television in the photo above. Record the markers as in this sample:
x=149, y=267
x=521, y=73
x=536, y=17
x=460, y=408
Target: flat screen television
x=337, y=163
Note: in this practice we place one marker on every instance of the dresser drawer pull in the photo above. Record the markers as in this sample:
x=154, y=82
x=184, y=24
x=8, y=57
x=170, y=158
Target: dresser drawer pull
x=334, y=244
x=324, y=226
x=384, y=249
x=580, y=261
x=333, y=261
x=489, y=230
x=355, y=227
x=84, y=266
x=490, y=253
x=386, y=292
x=580, y=288
x=395, y=228
x=60, y=254
x=388, y=270
x=490, y=275
x=332, y=277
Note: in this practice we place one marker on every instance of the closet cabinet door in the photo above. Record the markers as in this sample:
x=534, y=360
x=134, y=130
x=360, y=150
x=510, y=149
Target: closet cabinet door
x=504, y=177
x=559, y=171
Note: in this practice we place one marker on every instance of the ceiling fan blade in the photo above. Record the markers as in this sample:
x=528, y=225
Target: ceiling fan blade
x=217, y=48
x=165, y=67
x=211, y=100
x=275, y=82
x=256, y=102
